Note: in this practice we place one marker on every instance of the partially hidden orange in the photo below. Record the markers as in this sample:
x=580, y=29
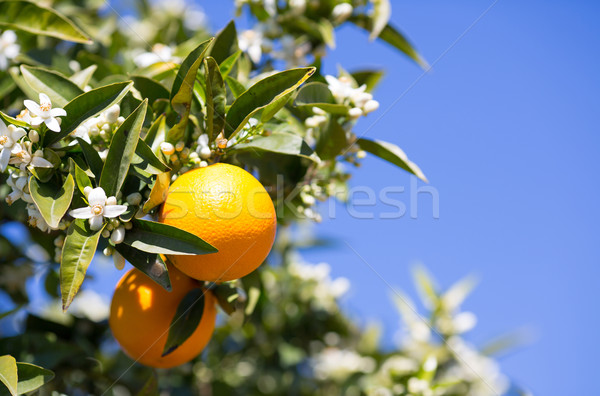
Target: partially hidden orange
x=227, y=207
x=141, y=313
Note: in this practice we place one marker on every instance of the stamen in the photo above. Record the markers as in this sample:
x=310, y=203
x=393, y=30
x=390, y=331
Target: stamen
x=97, y=210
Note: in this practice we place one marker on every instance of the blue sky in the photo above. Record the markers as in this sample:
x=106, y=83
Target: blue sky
x=505, y=126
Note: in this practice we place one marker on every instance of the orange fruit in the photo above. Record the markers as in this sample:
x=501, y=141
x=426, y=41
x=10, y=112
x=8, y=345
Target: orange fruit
x=228, y=208
x=141, y=313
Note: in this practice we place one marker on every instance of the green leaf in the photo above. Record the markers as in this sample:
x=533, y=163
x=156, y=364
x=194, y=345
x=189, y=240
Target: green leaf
x=10, y=120
x=52, y=202
x=83, y=77
x=262, y=94
x=156, y=130
x=228, y=296
x=226, y=66
x=382, y=11
x=392, y=36
x=183, y=87
x=236, y=87
x=150, y=89
x=145, y=160
x=91, y=157
x=253, y=296
x=59, y=88
x=282, y=143
x=159, y=191
x=317, y=94
x=326, y=29
x=82, y=180
x=87, y=105
x=149, y=263
x=332, y=141
x=36, y=19
x=215, y=99
x=8, y=373
x=121, y=151
x=370, y=78
x=186, y=320
x=225, y=43
x=32, y=377
x=77, y=254
x=150, y=387
x=159, y=238
x=391, y=153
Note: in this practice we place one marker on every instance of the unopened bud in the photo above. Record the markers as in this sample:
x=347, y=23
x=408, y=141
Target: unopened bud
x=167, y=148
x=34, y=136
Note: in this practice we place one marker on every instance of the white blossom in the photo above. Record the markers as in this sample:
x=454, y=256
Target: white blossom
x=44, y=113
x=341, y=12
x=9, y=136
x=339, y=364
x=91, y=305
x=9, y=48
x=159, y=53
x=293, y=53
x=100, y=207
x=18, y=182
x=253, y=42
x=23, y=157
x=36, y=219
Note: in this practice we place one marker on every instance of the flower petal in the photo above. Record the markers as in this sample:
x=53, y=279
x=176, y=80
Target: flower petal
x=58, y=112
x=3, y=129
x=33, y=107
x=82, y=213
x=40, y=162
x=97, y=197
x=111, y=211
x=96, y=223
x=44, y=99
x=35, y=121
x=52, y=124
x=18, y=133
x=4, y=157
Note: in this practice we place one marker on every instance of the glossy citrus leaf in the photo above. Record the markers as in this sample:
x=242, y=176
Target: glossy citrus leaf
x=51, y=201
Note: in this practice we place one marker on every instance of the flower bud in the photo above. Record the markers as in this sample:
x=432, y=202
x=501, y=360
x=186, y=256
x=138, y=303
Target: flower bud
x=118, y=235
x=203, y=164
x=112, y=113
x=179, y=146
x=341, y=12
x=119, y=261
x=134, y=198
x=105, y=234
x=108, y=251
x=167, y=148
x=87, y=191
x=370, y=106
x=354, y=113
x=111, y=200
x=205, y=152
x=34, y=136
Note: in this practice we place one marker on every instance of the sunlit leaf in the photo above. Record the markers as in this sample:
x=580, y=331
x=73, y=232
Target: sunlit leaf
x=317, y=94
x=77, y=254
x=282, y=143
x=262, y=94
x=382, y=10
x=91, y=157
x=332, y=141
x=83, y=77
x=51, y=201
x=8, y=373
x=225, y=43
x=215, y=99
x=159, y=191
x=37, y=19
x=227, y=65
x=146, y=160
x=59, y=89
x=150, y=88
x=32, y=377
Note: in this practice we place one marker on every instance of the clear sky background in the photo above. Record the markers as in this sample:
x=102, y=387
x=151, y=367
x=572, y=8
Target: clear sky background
x=505, y=126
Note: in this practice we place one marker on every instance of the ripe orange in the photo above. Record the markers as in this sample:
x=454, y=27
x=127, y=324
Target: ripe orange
x=141, y=313
x=227, y=207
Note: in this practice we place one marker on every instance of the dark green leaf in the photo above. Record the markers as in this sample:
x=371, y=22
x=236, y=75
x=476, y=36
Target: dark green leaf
x=87, y=105
x=153, y=237
x=150, y=388
x=8, y=373
x=392, y=36
x=391, y=153
x=40, y=20
x=31, y=377
x=147, y=161
x=225, y=43
x=226, y=66
x=332, y=141
x=149, y=263
x=150, y=89
x=215, y=99
x=282, y=143
x=122, y=150
x=91, y=157
x=59, y=89
x=370, y=78
x=186, y=320
x=183, y=87
x=261, y=95
x=77, y=254
x=82, y=180
x=228, y=297
x=236, y=87
x=52, y=202
x=157, y=129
